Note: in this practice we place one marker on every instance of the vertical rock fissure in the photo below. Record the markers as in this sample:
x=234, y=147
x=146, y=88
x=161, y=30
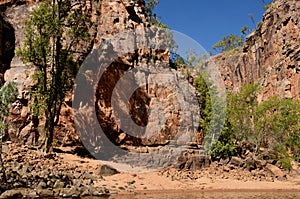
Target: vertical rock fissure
x=7, y=47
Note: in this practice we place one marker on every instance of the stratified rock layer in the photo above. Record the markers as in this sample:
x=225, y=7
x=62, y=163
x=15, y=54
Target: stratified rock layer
x=270, y=56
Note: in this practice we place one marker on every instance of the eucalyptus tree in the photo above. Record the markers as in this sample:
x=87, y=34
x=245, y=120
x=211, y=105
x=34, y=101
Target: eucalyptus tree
x=55, y=33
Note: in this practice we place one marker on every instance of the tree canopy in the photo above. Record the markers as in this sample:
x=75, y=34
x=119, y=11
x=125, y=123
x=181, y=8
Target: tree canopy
x=52, y=33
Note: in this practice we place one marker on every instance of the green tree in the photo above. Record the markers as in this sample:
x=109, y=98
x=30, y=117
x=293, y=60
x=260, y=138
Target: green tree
x=211, y=102
x=226, y=145
x=244, y=31
x=273, y=124
x=239, y=124
x=204, y=101
x=52, y=34
x=212, y=110
x=227, y=43
x=150, y=5
x=231, y=41
x=277, y=126
x=152, y=17
x=240, y=111
x=8, y=94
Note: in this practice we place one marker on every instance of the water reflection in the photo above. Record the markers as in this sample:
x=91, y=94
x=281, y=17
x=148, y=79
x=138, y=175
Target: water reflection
x=217, y=195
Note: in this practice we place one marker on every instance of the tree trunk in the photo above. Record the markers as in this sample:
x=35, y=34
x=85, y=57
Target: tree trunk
x=49, y=132
x=35, y=122
x=52, y=103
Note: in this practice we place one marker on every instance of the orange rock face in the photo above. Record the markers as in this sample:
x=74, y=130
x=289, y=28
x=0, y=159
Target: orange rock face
x=270, y=56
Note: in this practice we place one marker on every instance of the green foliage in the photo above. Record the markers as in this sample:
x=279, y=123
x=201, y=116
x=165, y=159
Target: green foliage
x=244, y=30
x=177, y=61
x=231, y=41
x=204, y=101
x=238, y=125
x=223, y=150
x=150, y=5
x=8, y=94
x=38, y=29
x=211, y=104
x=283, y=156
x=38, y=50
x=259, y=24
x=267, y=6
x=154, y=19
x=227, y=43
x=286, y=162
x=202, y=87
x=292, y=142
x=277, y=125
x=240, y=111
x=39, y=96
x=273, y=124
x=225, y=146
x=52, y=34
x=212, y=110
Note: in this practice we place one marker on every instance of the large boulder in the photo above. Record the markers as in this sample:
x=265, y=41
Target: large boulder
x=274, y=170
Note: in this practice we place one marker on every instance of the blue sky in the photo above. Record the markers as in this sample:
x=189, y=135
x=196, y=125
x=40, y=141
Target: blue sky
x=206, y=21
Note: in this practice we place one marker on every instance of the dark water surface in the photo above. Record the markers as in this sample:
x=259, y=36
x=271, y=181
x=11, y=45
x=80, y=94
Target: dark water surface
x=217, y=195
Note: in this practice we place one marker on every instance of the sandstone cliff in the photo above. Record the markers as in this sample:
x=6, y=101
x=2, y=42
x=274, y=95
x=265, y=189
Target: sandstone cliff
x=270, y=56
x=110, y=18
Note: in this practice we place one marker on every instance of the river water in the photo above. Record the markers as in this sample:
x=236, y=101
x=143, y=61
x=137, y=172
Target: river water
x=217, y=195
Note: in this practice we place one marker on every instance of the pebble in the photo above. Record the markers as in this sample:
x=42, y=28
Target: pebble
x=31, y=174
